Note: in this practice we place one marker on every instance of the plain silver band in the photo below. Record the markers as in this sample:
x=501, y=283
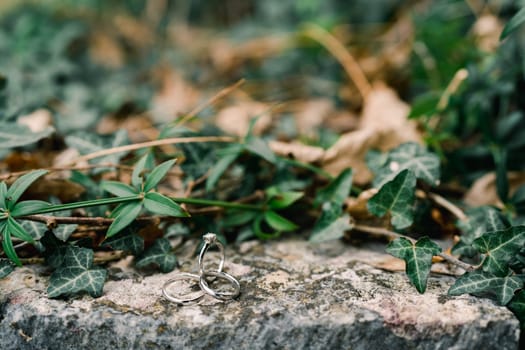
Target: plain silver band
x=204, y=249
x=220, y=295
x=178, y=277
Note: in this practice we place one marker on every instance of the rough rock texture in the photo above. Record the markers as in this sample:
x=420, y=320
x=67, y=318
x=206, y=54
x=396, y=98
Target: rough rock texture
x=294, y=296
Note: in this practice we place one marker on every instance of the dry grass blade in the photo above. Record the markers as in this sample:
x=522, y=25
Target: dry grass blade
x=344, y=57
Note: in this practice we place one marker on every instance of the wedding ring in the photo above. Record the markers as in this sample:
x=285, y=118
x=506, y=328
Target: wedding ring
x=179, y=299
x=210, y=239
x=203, y=283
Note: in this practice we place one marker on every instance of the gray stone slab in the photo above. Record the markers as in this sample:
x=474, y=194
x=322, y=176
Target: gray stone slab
x=294, y=296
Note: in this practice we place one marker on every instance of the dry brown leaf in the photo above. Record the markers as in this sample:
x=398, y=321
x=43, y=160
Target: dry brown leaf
x=383, y=125
x=134, y=125
x=349, y=151
x=175, y=98
x=357, y=207
x=235, y=120
x=311, y=114
x=487, y=31
x=105, y=50
x=483, y=190
x=37, y=121
x=298, y=151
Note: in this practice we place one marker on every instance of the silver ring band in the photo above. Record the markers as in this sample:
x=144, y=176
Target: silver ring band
x=210, y=239
x=220, y=295
x=178, y=299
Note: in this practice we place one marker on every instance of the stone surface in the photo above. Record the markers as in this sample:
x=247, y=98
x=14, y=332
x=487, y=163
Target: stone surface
x=294, y=296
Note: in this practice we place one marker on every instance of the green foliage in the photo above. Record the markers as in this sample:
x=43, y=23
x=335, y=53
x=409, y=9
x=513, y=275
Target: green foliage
x=126, y=240
x=479, y=220
x=6, y=267
x=17, y=135
x=424, y=164
x=87, y=143
x=158, y=254
x=124, y=215
x=515, y=22
x=517, y=306
x=77, y=274
x=418, y=258
x=477, y=282
x=500, y=248
x=397, y=198
x=19, y=186
x=332, y=223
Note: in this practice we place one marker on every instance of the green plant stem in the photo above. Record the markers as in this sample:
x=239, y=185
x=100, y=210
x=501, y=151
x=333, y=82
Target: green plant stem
x=84, y=204
x=216, y=203
x=393, y=235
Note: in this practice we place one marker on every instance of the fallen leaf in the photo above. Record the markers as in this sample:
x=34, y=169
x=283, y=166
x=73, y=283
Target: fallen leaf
x=301, y=152
x=175, y=98
x=235, y=120
x=357, y=207
x=483, y=190
x=487, y=31
x=37, y=121
x=105, y=50
x=311, y=114
x=383, y=125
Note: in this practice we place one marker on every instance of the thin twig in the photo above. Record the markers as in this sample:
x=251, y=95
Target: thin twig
x=393, y=235
x=169, y=141
x=349, y=63
x=210, y=102
x=445, y=203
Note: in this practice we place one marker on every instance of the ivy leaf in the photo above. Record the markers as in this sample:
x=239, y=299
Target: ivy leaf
x=424, y=164
x=418, y=258
x=6, y=267
x=118, y=189
x=158, y=174
x=500, y=248
x=397, y=197
x=28, y=207
x=480, y=220
x=127, y=213
x=77, y=275
x=278, y=223
x=126, y=241
x=160, y=254
x=485, y=282
x=64, y=231
x=337, y=190
x=20, y=185
x=332, y=223
x=17, y=135
x=516, y=21
x=227, y=157
x=87, y=143
x=162, y=205
x=34, y=228
x=517, y=306
x=329, y=228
